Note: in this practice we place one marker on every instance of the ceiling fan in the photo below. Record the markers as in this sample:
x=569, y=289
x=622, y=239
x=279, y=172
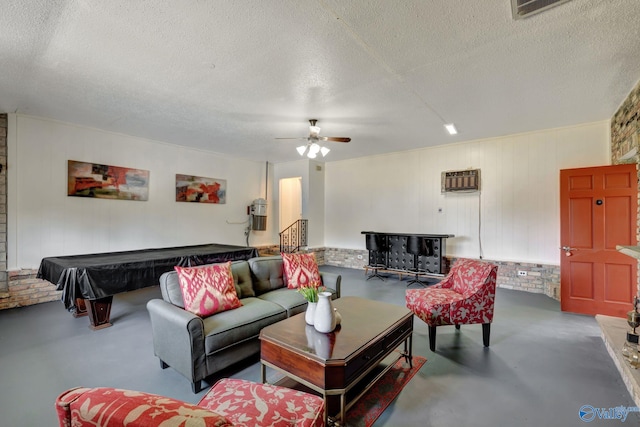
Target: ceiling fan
x=313, y=148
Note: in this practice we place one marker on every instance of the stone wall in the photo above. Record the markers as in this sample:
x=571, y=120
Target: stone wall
x=537, y=278
x=624, y=128
x=275, y=250
x=25, y=289
x=348, y=258
x=625, y=132
x=4, y=286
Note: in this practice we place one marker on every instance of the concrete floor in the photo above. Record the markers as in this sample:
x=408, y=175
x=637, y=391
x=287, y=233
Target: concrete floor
x=542, y=367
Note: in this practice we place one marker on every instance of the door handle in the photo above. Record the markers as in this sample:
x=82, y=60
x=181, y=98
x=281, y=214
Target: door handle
x=567, y=250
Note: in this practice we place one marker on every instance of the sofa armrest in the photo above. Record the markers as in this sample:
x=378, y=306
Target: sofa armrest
x=111, y=407
x=178, y=338
x=332, y=281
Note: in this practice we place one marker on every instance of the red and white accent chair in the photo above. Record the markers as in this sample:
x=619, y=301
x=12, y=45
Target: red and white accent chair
x=465, y=296
x=230, y=402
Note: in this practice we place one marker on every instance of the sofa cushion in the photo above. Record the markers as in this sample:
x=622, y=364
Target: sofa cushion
x=433, y=307
x=170, y=287
x=267, y=273
x=249, y=404
x=232, y=327
x=289, y=299
x=207, y=289
x=242, y=279
x=301, y=270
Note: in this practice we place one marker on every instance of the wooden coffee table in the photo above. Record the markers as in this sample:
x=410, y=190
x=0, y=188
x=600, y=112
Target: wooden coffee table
x=332, y=364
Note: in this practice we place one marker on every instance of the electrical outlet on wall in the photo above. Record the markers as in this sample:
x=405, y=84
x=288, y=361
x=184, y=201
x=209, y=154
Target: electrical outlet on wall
x=522, y=273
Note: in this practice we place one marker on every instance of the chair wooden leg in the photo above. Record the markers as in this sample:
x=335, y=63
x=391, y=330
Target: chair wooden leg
x=432, y=338
x=486, y=331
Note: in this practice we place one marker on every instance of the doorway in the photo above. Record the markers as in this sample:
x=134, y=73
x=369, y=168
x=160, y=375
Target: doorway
x=290, y=206
x=598, y=211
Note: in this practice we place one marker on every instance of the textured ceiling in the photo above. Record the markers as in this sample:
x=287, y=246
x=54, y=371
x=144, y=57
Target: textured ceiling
x=231, y=76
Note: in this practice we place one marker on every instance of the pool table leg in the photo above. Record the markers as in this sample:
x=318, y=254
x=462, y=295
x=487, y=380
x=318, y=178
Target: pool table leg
x=99, y=311
x=80, y=309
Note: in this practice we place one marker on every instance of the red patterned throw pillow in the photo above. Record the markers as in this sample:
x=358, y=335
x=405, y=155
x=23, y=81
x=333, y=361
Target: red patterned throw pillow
x=301, y=270
x=208, y=289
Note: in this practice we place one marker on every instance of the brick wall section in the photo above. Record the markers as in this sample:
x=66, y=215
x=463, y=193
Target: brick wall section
x=625, y=133
x=348, y=258
x=25, y=289
x=539, y=279
x=4, y=286
x=624, y=127
x=275, y=250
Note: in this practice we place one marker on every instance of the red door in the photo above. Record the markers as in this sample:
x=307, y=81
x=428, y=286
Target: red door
x=597, y=212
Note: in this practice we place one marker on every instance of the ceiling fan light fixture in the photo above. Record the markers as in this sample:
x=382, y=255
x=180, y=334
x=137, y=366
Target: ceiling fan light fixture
x=312, y=148
x=451, y=128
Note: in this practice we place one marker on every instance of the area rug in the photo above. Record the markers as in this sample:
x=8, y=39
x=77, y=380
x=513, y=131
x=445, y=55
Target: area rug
x=367, y=410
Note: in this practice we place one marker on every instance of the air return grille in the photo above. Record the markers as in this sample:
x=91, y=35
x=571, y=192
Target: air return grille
x=524, y=8
x=466, y=180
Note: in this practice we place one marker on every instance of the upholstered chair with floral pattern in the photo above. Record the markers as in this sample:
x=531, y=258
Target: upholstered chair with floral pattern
x=465, y=296
x=230, y=402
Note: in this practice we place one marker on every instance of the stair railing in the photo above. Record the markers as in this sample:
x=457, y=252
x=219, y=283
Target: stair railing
x=294, y=237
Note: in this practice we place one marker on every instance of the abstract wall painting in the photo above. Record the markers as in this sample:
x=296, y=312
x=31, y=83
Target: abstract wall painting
x=107, y=182
x=200, y=190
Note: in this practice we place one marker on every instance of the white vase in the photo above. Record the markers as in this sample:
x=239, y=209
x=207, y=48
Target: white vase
x=325, y=318
x=309, y=315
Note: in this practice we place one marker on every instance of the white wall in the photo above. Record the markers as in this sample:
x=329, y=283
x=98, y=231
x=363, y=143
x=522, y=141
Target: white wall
x=43, y=221
x=398, y=192
x=298, y=168
x=312, y=174
x=519, y=200
x=316, y=204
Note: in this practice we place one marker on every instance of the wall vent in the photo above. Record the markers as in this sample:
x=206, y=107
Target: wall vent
x=524, y=8
x=465, y=180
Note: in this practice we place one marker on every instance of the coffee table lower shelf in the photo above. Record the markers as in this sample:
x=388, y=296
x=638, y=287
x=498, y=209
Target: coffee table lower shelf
x=370, y=375
x=333, y=364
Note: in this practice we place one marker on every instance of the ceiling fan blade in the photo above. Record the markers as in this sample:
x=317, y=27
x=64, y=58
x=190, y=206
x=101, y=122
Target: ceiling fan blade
x=297, y=139
x=334, y=139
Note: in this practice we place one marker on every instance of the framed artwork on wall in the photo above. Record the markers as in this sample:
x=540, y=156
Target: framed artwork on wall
x=107, y=182
x=200, y=190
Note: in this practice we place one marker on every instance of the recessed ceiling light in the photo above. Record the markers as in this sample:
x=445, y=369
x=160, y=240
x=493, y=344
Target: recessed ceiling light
x=451, y=128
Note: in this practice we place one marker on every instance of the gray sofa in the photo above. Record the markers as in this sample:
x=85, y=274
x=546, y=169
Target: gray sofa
x=199, y=347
